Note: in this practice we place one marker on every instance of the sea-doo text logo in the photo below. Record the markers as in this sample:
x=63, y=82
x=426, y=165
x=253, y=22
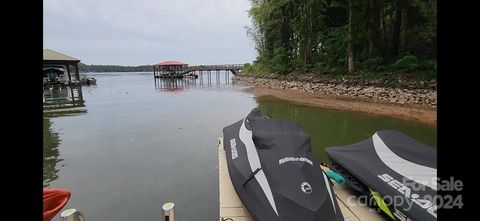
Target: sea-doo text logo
x=306, y=188
x=407, y=192
x=287, y=159
x=233, y=145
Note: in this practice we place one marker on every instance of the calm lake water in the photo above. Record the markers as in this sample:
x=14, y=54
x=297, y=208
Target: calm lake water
x=136, y=143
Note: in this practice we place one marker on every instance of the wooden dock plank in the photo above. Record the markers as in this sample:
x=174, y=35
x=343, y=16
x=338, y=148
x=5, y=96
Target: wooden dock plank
x=232, y=207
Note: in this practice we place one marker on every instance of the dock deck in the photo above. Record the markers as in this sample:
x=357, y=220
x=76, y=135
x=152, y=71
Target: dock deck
x=231, y=206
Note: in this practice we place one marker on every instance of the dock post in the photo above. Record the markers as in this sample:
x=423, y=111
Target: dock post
x=168, y=212
x=209, y=77
x=72, y=215
x=69, y=75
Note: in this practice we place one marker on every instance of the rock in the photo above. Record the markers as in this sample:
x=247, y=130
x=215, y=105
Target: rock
x=422, y=92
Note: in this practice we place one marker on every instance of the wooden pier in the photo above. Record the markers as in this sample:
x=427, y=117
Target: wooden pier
x=231, y=206
x=234, y=68
x=178, y=69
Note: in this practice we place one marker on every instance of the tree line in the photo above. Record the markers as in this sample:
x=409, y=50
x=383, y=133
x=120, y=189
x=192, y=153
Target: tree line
x=113, y=68
x=344, y=35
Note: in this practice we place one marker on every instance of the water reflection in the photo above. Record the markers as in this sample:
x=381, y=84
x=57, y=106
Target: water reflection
x=51, y=141
x=174, y=84
x=58, y=101
x=214, y=77
x=205, y=78
x=338, y=128
x=60, y=97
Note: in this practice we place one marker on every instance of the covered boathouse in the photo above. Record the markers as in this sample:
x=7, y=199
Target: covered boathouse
x=58, y=67
x=169, y=69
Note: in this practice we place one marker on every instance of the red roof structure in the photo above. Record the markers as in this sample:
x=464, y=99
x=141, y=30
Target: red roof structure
x=170, y=63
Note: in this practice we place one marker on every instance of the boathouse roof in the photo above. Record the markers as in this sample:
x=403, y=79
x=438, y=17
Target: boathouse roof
x=51, y=55
x=170, y=63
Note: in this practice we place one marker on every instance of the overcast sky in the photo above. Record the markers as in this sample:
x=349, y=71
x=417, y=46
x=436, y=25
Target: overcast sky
x=138, y=32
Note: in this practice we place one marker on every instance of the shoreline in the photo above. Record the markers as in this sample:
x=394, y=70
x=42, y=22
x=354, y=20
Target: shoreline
x=383, y=101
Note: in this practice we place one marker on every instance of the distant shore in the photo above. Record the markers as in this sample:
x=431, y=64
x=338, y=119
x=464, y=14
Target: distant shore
x=418, y=104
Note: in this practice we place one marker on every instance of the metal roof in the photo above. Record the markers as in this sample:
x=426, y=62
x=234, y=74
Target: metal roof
x=170, y=63
x=50, y=55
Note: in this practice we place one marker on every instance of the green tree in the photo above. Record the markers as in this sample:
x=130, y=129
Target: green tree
x=342, y=35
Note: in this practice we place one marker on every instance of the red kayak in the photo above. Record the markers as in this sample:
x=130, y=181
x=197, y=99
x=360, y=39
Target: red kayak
x=53, y=201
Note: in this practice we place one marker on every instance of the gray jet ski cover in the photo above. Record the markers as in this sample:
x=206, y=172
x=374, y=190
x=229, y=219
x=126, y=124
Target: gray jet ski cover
x=402, y=170
x=274, y=172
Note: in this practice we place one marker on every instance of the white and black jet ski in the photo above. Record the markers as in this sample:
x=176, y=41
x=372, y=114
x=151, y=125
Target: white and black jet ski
x=274, y=172
x=398, y=171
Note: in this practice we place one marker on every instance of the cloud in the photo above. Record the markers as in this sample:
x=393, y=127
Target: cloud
x=148, y=31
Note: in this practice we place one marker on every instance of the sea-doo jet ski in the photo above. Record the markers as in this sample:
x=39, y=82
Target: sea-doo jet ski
x=274, y=172
x=398, y=171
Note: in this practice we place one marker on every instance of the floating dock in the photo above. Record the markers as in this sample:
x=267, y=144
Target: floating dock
x=231, y=206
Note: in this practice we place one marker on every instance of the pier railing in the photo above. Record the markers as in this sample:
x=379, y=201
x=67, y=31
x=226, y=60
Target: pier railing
x=215, y=67
x=234, y=68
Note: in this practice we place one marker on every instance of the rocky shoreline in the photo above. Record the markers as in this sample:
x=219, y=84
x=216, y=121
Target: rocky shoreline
x=417, y=96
